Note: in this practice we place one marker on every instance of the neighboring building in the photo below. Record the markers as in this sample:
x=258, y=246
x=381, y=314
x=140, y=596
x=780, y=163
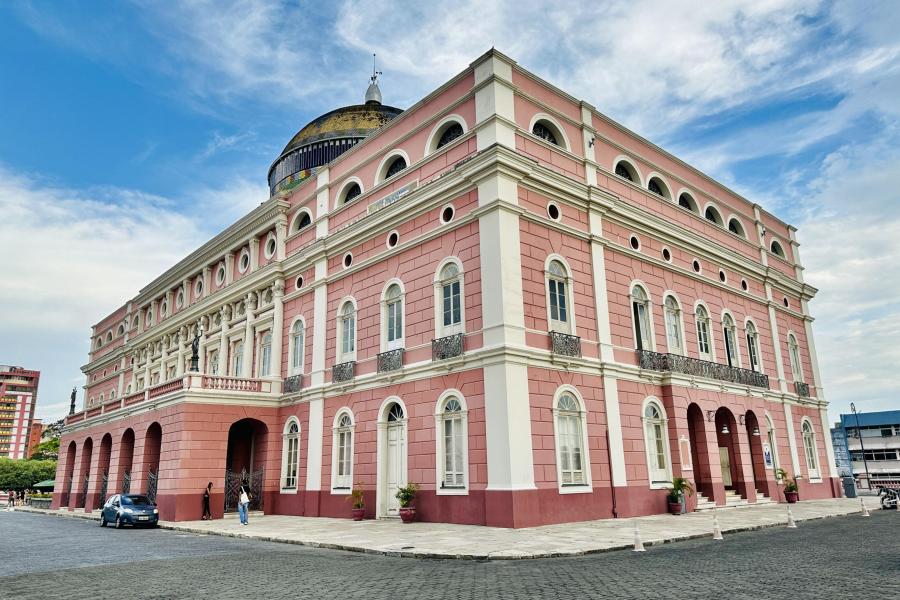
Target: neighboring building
x=18, y=397
x=498, y=294
x=877, y=438
x=34, y=436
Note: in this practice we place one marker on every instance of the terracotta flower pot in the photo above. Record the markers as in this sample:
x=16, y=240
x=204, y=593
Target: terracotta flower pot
x=408, y=514
x=359, y=514
x=674, y=508
x=791, y=497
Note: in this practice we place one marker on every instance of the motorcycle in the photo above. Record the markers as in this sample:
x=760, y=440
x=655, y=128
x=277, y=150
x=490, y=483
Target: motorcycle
x=890, y=498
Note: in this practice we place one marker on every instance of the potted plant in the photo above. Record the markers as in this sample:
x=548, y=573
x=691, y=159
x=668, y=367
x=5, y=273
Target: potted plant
x=680, y=486
x=406, y=495
x=791, y=489
x=359, y=504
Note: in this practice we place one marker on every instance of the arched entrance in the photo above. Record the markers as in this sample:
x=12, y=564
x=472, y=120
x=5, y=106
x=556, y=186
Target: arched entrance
x=85, y=472
x=69, y=472
x=152, y=447
x=103, y=469
x=126, y=458
x=392, y=453
x=246, y=461
x=757, y=458
x=729, y=451
x=699, y=451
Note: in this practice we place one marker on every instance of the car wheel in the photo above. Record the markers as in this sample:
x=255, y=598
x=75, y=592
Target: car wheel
x=119, y=523
x=102, y=520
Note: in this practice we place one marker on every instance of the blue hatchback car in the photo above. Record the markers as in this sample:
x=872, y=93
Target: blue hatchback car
x=129, y=509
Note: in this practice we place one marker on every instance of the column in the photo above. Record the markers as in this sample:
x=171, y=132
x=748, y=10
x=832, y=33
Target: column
x=320, y=319
x=223, y=341
x=121, y=386
x=249, y=345
x=829, y=447
x=254, y=253
x=776, y=341
x=275, y=370
x=207, y=276
x=792, y=439
x=229, y=268
x=163, y=356
x=281, y=224
x=590, y=138
x=147, y=365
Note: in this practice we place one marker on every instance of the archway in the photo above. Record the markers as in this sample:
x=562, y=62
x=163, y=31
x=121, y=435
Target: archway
x=699, y=451
x=729, y=452
x=69, y=472
x=152, y=448
x=103, y=469
x=84, y=472
x=126, y=458
x=757, y=457
x=246, y=461
x=392, y=452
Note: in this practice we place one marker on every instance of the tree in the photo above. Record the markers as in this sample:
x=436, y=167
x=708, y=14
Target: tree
x=47, y=450
x=23, y=474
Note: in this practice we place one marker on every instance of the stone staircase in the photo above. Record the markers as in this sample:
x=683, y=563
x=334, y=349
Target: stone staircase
x=704, y=503
x=732, y=500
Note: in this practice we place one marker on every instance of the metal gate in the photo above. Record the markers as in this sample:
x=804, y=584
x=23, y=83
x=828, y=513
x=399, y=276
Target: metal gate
x=82, y=502
x=103, y=483
x=152, y=484
x=233, y=481
x=126, y=482
x=68, y=492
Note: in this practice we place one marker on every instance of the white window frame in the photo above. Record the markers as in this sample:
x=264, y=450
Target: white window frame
x=554, y=126
x=244, y=253
x=794, y=357
x=657, y=479
x=264, y=368
x=343, y=486
x=348, y=355
x=287, y=438
x=438, y=130
x=648, y=312
x=386, y=306
x=381, y=173
x=439, y=458
x=580, y=418
x=710, y=339
x=736, y=359
x=212, y=362
x=674, y=322
x=295, y=220
x=751, y=335
x=568, y=326
x=297, y=362
x=271, y=237
x=772, y=438
x=810, y=449
x=440, y=329
x=237, y=366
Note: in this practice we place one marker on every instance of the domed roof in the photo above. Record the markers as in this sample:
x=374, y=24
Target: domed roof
x=358, y=120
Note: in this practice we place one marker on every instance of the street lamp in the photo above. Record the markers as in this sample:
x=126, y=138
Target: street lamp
x=862, y=446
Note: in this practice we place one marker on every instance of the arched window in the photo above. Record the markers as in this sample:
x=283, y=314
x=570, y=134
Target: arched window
x=450, y=133
x=546, y=132
x=449, y=293
x=302, y=220
x=238, y=359
x=704, y=343
x=350, y=192
x=735, y=227
x=290, y=456
x=728, y=329
x=794, y=356
x=626, y=171
x=557, y=297
x=569, y=441
x=343, y=452
x=640, y=307
x=265, y=355
x=347, y=341
x=214, y=362
x=713, y=215
x=452, y=426
x=686, y=201
x=658, y=187
x=298, y=345
x=395, y=414
x=753, y=346
x=673, y=325
x=397, y=165
x=770, y=437
x=655, y=441
x=393, y=317
x=777, y=250
x=809, y=445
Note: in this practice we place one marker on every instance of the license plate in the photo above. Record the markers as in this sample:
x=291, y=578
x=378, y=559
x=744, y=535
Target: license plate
x=143, y=518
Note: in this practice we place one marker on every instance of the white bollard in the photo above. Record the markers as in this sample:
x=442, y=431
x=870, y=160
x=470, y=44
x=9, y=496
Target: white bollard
x=717, y=531
x=865, y=511
x=791, y=524
x=638, y=544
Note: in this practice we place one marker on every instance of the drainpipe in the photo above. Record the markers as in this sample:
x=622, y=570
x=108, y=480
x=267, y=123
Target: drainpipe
x=612, y=486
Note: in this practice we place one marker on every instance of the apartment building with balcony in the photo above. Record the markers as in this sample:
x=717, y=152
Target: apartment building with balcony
x=873, y=444
x=18, y=399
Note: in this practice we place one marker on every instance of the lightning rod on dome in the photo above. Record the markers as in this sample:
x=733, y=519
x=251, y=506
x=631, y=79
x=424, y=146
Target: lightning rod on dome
x=373, y=94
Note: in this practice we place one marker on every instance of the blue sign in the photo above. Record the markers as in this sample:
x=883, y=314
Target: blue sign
x=841, y=451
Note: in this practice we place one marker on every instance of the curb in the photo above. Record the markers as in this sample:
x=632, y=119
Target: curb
x=435, y=555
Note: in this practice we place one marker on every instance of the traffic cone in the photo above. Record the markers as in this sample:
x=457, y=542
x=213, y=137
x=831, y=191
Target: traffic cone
x=638, y=544
x=865, y=511
x=791, y=524
x=717, y=531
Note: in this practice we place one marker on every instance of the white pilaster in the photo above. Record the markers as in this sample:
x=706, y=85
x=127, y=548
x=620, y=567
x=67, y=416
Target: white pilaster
x=323, y=178
x=829, y=447
x=229, y=268
x=320, y=318
x=792, y=438
x=281, y=225
x=249, y=345
x=776, y=342
x=223, y=342
x=494, y=103
x=314, y=452
x=587, y=123
x=508, y=420
x=277, y=328
x=254, y=253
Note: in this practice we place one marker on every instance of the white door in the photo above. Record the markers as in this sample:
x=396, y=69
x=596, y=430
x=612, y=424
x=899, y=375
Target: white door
x=726, y=466
x=395, y=474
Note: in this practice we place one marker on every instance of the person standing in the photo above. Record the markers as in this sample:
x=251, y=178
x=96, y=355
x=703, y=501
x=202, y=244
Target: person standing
x=206, y=513
x=244, y=501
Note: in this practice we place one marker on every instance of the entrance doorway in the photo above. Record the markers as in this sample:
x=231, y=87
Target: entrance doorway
x=725, y=463
x=245, y=461
x=393, y=459
x=729, y=451
x=699, y=451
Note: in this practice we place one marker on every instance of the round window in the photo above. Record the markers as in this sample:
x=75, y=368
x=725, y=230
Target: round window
x=179, y=299
x=786, y=303
x=696, y=265
x=244, y=263
x=667, y=256
x=348, y=260
x=198, y=288
x=447, y=214
x=553, y=211
x=270, y=247
x=635, y=243
x=299, y=283
x=744, y=285
x=220, y=275
x=722, y=277
x=393, y=239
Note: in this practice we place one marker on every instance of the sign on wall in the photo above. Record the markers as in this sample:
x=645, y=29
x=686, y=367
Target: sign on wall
x=767, y=456
x=684, y=449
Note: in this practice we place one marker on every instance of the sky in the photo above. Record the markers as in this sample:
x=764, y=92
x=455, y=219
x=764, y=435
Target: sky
x=131, y=132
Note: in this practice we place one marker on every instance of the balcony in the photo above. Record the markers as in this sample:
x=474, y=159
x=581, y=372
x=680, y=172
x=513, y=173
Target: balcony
x=802, y=389
x=675, y=363
x=292, y=384
x=343, y=372
x=563, y=344
x=447, y=347
x=233, y=384
x=391, y=360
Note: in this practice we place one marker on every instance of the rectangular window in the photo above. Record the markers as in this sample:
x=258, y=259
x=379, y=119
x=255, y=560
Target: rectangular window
x=703, y=339
x=570, y=450
x=348, y=335
x=451, y=307
x=751, y=350
x=453, y=453
x=344, y=459
x=395, y=322
x=558, y=311
x=265, y=361
x=729, y=347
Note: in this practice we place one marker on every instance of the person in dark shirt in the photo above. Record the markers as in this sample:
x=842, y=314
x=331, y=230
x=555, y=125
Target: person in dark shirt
x=206, y=514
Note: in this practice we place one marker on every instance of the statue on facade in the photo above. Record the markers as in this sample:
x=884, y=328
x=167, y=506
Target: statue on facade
x=195, y=351
x=72, y=402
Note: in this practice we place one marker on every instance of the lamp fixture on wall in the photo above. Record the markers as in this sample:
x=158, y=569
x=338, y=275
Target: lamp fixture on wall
x=725, y=428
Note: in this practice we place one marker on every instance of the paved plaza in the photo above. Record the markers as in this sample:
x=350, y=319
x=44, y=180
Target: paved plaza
x=840, y=557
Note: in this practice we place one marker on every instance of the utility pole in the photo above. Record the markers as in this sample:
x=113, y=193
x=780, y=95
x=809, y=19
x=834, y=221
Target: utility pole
x=862, y=445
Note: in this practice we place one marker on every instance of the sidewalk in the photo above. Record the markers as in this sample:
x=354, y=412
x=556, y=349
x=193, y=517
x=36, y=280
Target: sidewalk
x=440, y=540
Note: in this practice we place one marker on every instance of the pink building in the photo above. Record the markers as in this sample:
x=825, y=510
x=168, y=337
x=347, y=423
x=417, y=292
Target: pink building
x=18, y=399
x=498, y=294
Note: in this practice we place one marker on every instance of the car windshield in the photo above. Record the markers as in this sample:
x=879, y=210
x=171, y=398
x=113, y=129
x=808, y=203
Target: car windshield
x=136, y=500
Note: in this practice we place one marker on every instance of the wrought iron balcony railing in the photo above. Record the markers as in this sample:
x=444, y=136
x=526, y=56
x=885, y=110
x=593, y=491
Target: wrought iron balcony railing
x=343, y=371
x=390, y=360
x=676, y=363
x=565, y=344
x=447, y=347
x=802, y=389
x=292, y=384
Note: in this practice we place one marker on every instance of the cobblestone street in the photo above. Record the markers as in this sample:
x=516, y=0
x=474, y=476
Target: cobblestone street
x=57, y=557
